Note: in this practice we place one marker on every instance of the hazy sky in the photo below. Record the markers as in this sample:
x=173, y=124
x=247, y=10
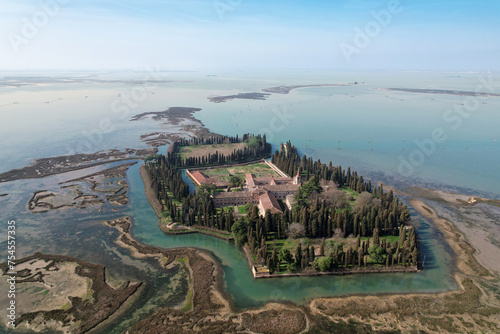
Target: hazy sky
x=196, y=34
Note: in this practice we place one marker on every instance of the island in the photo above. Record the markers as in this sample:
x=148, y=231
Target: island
x=288, y=89
x=443, y=91
x=62, y=164
x=173, y=114
x=275, y=90
x=281, y=211
x=244, y=96
x=179, y=123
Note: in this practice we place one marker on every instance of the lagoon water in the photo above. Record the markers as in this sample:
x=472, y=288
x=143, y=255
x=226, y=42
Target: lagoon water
x=362, y=126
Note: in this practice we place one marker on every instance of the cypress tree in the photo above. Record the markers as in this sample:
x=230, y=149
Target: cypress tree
x=298, y=256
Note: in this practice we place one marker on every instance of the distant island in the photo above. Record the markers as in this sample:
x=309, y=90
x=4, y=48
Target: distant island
x=287, y=89
x=281, y=211
x=275, y=90
x=22, y=80
x=245, y=96
x=182, y=117
x=62, y=164
x=172, y=114
x=442, y=91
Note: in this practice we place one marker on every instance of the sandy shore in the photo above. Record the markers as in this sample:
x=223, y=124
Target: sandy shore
x=474, y=307
x=464, y=251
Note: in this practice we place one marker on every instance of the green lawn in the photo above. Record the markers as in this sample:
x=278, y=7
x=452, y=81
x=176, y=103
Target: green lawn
x=242, y=209
x=350, y=192
x=290, y=244
x=259, y=169
x=203, y=150
x=389, y=238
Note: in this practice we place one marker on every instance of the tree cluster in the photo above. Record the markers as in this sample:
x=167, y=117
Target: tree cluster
x=194, y=209
x=289, y=161
x=257, y=148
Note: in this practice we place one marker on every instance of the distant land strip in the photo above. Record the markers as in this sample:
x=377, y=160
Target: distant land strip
x=68, y=163
x=170, y=113
x=442, y=91
x=246, y=96
x=275, y=90
x=287, y=89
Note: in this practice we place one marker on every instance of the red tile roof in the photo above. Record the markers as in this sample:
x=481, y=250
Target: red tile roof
x=269, y=202
x=250, y=178
x=199, y=177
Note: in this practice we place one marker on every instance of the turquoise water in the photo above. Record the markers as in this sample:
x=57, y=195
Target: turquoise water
x=247, y=291
x=360, y=126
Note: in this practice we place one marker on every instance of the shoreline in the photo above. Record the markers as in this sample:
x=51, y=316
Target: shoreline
x=470, y=215
x=464, y=252
x=153, y=201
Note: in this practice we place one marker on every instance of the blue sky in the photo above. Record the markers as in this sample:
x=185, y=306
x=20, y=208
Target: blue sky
x=212, y=34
